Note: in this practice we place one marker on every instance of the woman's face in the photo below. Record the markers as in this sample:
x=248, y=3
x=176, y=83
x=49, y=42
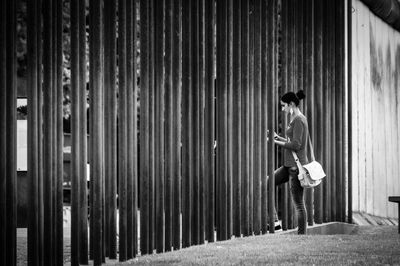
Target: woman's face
x=285, y=107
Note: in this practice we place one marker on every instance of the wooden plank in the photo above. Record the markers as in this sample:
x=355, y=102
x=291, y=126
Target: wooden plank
x=110, y=127
x=245, y=118
x=222, y=123
x=169, y=148
x=209, y=119
x=187, y=127
x=96, y=132
x=159, y=125
x=144, y=128
x=122, y=129
x=236, y=123
x=257, y=120
x=177, y=102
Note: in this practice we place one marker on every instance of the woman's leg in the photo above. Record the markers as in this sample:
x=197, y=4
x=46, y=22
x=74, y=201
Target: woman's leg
x=281, y=176
x=297, y=194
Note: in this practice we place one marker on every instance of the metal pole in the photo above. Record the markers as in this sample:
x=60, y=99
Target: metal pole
x=75, y=143
x=110, y=127
x=47, y=129
x=222, y=103
x=187, y=124
x=169, y=148
x=96, y=133
x=177, y=102
x=236, y=116
x=159, y=124
x=144, y=128
x=272, y=87
x=245, y=118
x=33, y=228
x=349, y=112
x=82, y=135
x=122, y=129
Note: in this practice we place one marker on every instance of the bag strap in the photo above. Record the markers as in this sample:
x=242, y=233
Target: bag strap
x=296, y=158
x=311, y=148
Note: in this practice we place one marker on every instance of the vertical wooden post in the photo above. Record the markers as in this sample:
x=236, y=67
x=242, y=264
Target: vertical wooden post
x=3, y=131
x=96, y=132
x=187, y=124
x=245, y=118
x=82, y=135
x=222, y=102
x=111, y=126
x=159, y=124
x=257, y=119
x=271, y=87
x=318, y=100
x=169, y=148
x=144, y=128
x=47, y=129
x=236, y=116
x=122, y=130
x=177, y=97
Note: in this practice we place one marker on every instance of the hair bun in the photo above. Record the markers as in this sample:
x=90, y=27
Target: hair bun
x=300, y=95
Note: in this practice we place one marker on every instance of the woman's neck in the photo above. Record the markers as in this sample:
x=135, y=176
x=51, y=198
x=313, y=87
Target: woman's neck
x=296, y=112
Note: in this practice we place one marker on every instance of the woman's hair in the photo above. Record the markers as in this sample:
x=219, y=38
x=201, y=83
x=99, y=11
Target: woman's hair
x=293, y=97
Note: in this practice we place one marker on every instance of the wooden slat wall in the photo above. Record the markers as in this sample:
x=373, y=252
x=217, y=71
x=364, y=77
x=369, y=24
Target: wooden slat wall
x=375, y=113
x=199, y=160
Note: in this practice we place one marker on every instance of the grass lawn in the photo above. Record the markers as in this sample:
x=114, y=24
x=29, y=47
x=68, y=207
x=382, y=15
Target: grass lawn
x=371, y=245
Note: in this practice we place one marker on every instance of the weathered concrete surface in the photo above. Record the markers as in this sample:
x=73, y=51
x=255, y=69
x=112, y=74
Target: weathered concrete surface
x=375, y=114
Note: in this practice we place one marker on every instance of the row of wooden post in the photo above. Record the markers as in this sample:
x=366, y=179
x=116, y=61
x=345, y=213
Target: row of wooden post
x=179, y=147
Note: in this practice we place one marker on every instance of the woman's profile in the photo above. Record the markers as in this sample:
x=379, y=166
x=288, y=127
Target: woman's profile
x=297, y=137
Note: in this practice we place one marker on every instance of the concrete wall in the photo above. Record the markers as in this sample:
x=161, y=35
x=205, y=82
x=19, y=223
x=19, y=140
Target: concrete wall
x=375, y=113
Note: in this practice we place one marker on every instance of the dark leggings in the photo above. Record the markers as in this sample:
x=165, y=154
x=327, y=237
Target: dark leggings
x=282, y=175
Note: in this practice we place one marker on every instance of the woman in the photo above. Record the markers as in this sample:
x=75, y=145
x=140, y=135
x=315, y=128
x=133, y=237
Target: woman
x=297, y=133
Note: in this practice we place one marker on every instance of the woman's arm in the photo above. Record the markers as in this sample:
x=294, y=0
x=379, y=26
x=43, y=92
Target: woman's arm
x=295, y=143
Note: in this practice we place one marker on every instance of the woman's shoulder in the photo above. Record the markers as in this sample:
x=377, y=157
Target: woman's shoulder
x=300, y=119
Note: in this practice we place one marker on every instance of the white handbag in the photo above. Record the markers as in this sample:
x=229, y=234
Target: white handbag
x=311, y=174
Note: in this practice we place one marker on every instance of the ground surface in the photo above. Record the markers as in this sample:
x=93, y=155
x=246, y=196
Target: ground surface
x=372, y=245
